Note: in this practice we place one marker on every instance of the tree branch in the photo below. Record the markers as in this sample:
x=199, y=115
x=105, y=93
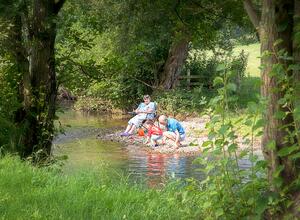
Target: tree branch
x=252, y=13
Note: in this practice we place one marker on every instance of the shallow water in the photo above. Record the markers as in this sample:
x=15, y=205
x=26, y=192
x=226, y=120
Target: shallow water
x=85, y=151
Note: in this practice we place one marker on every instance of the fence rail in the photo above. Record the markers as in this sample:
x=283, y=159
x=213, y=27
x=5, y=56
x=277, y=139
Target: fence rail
x=191, y=80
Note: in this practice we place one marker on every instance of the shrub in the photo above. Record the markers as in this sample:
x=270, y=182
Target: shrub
x=180, y=101
x=204, y=64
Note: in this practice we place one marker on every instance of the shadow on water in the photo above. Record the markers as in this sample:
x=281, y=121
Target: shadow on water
x=85, y=151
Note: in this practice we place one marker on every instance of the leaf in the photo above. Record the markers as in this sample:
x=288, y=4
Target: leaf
x=259, y=124
x=193, y=144
x=262, y=204
x=220, y=67
x=278, y=171
x=231, y=87
x=271, y=145
x=295, y=156
x=243, y=153
x=223, y=129
x=279, y=115
x=232, y=147
x=206, y=143
x=219, y=212
x=287, y=150
x=297, y=112
x=218, y=81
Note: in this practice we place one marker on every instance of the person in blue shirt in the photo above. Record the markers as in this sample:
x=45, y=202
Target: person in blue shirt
x=175, y=131
x=146, y=110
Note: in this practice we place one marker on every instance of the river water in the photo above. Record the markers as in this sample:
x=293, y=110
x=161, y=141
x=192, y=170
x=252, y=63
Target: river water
x=85, y=151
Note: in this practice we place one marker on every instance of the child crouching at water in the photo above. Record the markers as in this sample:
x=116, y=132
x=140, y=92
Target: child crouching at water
x=154, y=133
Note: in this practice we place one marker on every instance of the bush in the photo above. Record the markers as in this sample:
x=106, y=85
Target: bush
x=9, y=103
x=204, y=64
x=180, y=101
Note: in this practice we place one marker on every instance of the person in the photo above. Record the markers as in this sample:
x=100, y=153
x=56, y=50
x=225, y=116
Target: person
x=145, y=110
x=175, y=131
x=154, y=133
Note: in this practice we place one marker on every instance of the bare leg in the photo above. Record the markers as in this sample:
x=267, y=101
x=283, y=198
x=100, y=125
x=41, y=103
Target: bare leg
x=131, y=129
x=172, y=136
x=129, y=126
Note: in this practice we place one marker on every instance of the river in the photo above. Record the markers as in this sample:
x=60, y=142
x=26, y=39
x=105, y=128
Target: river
x=85, y=151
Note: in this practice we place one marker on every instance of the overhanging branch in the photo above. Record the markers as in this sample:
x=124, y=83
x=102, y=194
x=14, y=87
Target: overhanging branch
x=252, y=13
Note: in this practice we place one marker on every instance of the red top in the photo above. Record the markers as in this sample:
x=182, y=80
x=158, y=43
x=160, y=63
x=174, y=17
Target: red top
x=154, y=130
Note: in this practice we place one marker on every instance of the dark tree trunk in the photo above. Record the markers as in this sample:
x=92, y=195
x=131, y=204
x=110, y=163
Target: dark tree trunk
x=39, y=81
x=173, y=65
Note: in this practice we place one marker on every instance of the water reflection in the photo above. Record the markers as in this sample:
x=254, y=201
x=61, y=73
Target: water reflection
x=85, y=151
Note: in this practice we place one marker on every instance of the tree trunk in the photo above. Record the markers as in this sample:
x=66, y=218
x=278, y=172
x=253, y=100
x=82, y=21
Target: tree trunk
x=39, y=82
x=296, y=55
x=268, y=35
x=295, y=208
x=172, y=68
x=273, y=14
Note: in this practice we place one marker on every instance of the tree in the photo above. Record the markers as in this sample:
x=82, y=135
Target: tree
x=32, y=46
x=277, y=27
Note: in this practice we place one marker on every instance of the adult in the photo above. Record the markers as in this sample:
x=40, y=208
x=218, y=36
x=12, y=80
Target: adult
x=174, y=132
x=146, y=110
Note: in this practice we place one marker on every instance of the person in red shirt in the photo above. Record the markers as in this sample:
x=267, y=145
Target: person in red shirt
x=154, y=133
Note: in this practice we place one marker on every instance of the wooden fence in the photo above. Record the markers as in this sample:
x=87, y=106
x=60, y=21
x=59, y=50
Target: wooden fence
x=190, y=81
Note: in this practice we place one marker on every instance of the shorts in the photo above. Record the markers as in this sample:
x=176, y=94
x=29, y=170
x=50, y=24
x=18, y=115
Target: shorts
x=156, y=137
x=137, y=120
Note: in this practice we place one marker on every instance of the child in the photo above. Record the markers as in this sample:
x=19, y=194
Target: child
x=175, y=131
x=154, y=133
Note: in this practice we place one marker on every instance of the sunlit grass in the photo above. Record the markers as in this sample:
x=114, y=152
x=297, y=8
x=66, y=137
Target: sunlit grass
x=39, y=193
x=253, y=60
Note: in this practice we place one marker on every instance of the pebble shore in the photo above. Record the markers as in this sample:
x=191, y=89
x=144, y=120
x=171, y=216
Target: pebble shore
x=196, y=134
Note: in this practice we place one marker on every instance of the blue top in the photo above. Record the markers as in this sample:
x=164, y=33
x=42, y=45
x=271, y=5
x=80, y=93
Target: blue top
x=144, y=107
x=174, y=125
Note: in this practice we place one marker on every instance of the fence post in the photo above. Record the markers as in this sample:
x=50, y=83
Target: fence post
x=188, y=79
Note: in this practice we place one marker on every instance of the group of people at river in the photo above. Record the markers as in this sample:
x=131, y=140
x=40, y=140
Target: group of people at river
x=158, y=129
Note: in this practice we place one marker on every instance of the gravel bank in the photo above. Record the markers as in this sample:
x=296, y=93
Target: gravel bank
x=196, y=134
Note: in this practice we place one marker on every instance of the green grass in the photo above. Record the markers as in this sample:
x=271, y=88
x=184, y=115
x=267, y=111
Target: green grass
x=253, y=60
x=39, y=193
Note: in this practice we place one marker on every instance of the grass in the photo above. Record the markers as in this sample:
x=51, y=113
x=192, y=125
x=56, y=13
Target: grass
x=42, y=193
x=253, y=60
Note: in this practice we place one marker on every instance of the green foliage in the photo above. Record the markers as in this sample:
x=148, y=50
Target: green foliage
x=9, y=103
x=181, y=101
x=29, y=192
x=116, y=50
x=88, y=103
x=205, y=65
x=230, y=192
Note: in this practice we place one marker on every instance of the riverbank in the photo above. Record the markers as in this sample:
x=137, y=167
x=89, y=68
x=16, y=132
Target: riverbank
x=28, y=192
x=196, y=135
